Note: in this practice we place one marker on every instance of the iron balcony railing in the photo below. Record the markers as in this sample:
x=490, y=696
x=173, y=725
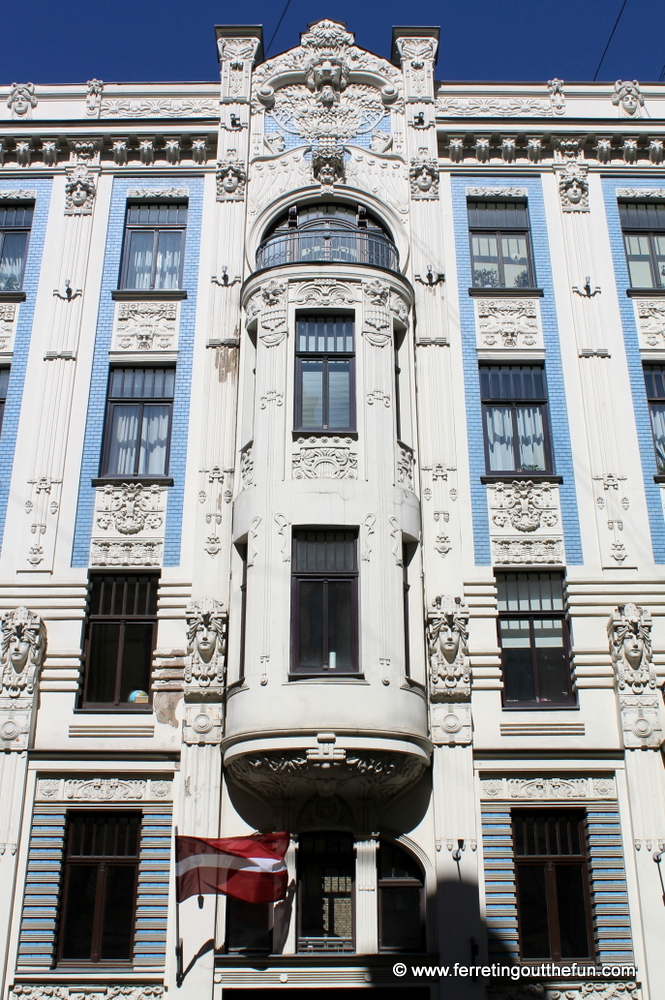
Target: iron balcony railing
x=343, y=246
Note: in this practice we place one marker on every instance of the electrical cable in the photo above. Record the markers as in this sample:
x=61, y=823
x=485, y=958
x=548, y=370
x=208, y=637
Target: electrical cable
x=662, y=74
x=623, y=5
x=286, y=7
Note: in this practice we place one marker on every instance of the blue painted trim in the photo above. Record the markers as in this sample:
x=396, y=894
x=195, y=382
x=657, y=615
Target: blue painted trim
x=100, y=369
x=561, y=447
x=634, y=359
x=23, y=332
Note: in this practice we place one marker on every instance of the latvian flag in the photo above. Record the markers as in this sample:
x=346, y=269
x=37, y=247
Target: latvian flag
x=249, y=868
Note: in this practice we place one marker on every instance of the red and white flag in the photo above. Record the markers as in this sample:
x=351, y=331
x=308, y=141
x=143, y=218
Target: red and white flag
x=249, y=868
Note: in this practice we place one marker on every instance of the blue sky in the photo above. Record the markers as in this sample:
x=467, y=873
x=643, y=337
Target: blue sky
x=52, y=41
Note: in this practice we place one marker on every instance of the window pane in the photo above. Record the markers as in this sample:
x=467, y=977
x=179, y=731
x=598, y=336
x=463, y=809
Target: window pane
x=639, y=261
x=311, y=373
x=551, y=660
x=136, y=660
x=79, y=912
x=517, y=660
x=247, y=925
x=572, y=911
x=515, y=261
x=167, y=272
x=400, y=918
x=657, y=411
x=532, y=901
x=123, y=440
x=139, y=259
x=531, y=438
x=340, y=626
x=118, y=918
x=310, y=631
x=339, y=395
x=154, y=439
x=485, y=261
x=12, y=260
x=102, y=665
x=659, y=250
x=500, y=443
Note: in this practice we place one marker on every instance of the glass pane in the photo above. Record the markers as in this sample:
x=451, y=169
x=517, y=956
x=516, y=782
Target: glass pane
x=136, y=662
x=311, y=374
x=530, y=591
x=531, y=438
x=551, y=661
x=118, y=919
x=167, y=272
x=102, y=663
x=339, y=395
x=639, y=261
x=515, y=261
x=659, y=250
x=123, y=435
x=400, y=920
x=532, y=901
x=517, y=660
x=139, y=259
x=154, y=439
x=657, y=411
x=340, y=625
x=79, y=913
x=485, y=261
x=12, y=261
x=310, y=625
x=572, y=911
x=326, y=904
x=325, y=551
x=247, y=925
x=500, y=442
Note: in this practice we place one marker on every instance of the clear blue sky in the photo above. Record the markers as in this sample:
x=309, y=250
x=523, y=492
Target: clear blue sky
x=52, y=41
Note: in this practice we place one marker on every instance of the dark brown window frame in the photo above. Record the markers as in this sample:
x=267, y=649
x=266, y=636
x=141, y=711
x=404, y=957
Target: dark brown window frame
x=299, y=575
x=23, y=227
x=300, y=937
x=325, y=357
x=650, y=232
x=551, y=862
x=515, y=404
x=122, y=620
x=141, y=402
x=655, y=399
x=156, y=229
x=103, y=862
x=498, y=233
x=385, y=884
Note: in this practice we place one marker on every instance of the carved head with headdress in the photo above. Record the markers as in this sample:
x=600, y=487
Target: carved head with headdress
x=23, y=650
x=206, y=629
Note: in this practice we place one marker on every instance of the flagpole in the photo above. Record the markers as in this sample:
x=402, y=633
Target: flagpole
x=178, y=939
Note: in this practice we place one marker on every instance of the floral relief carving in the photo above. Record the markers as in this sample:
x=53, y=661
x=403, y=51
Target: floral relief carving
x=496, y=192
x=325, y=292
x=7, y=325
x=524, y=506
x=523, y=551
x=131, y=508
x=544, y=788
x=580, y=991
x=160, y=108
x=121, y=552
x=452, y=107
x=325, y=458
x=98, y=991
x=508, y=323
x=23, y=651
x=651, y=321
x=105, y=789
x=146, y=326
x=205, y=663
x=447, y=643
x=629, y=633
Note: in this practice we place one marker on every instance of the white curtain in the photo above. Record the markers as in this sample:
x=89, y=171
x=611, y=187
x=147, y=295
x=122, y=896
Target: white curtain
x=499, y=428
x=124, y=435
x=167, y=274
x=531, y=438
x=154, y=439
x=658, y=427
x=11, y=261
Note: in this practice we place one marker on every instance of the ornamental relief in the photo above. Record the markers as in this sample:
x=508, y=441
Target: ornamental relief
x=405, y=466
x=384, y=176
x=22, y=653
x=451, y=725
x=8, y=316
x=102, y=789
x=629, y=634
x=122, y=552
x=84, y=991
x=641, y=723
x=650, y=318
x=325, y=458
x=491, y=107
x=146, y=326
x=523, y=506
x=447, y=645
x=326, y=292
x=130, y=508
x=545, y=788
x=577, y=991
x=164, y=108
x=527, y=551
x=508, y=323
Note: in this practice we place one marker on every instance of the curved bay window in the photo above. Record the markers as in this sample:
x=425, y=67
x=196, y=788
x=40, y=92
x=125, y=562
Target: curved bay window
x=327, y=232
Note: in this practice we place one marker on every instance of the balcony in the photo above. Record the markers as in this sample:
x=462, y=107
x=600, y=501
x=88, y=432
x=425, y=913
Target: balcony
x=328, y=244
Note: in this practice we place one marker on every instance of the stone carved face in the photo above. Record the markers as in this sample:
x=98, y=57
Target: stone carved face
x=206, y=645
x=23, y=649
x=633, y=647
x=449, y=640
x=79, y=194
x=575, y=191
x=21, y=100
x=230, y=181
x=206, y=640
x=424, y=179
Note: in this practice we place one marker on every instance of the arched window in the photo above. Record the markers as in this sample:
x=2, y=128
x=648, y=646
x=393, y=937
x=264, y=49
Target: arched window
x=401, y=900
x=327, y=231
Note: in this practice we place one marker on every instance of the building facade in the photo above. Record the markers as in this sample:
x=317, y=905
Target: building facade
x=331, y=501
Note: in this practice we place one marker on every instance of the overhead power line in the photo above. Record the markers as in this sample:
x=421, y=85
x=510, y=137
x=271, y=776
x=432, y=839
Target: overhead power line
x=286, y=7
x=623, y=7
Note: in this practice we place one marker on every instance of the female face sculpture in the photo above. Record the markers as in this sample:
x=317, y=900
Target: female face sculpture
x=206, y=641
x=633, y=648
x=449, y=641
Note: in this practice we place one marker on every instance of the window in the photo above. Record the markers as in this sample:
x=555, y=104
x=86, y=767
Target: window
x=401, y=900
x=500, y=244
x=324, y=373
x=533, y=636
x=154, y=243
x=15, y=223
x=120, y=640
x=552, y=884
x=326, y=866
x=643, y=225
x=654, y=377
x=514, y=400
x=4, y=384
x=99, y=889
x=138, y=422
x=325, y=602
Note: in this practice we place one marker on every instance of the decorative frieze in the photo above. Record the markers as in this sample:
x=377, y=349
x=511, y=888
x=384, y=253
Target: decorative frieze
x=447, y=643
x=324, y=458
x=160, y=108
x=650, y=317
x=548, y=788
x=496, y=192
x=326, y=292
x=493, y=107
x=85, y=991
x=205, y=663
x=121, y=552
x=508, y=323
x=146, y=326
x=567, y=991
x=130, y=508
x=104, y=789
x=526, y=551
x=523, y=506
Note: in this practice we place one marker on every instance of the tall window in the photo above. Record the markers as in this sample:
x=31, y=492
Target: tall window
x=552, y=884
x=654, y=377
x=326, y=866
x=120, y=640
x=324, y=373
x=401, y=900
x=643, y=225
x=325, y=602
x=15, y=223
x=500, y=244
x=154, y=243
x=99, y=889
x=534, y=639
x=514, y=399
x=4, y=384
x=138, y=422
